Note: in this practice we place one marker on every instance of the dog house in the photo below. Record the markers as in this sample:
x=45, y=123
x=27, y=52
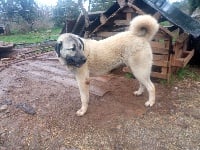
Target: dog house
x=170, y=46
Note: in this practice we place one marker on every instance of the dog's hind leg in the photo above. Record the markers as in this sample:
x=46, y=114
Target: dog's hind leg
x=140, y=90
x=82, y=77
x=143, y=76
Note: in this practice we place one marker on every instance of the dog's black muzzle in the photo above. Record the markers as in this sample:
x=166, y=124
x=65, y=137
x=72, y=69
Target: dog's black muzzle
x=76, y=61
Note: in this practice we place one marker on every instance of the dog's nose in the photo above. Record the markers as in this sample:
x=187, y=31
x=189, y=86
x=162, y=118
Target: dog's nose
x=70, y=60
x=83, y=59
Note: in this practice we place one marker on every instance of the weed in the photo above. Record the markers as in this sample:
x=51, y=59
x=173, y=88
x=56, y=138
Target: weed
x=129, y=75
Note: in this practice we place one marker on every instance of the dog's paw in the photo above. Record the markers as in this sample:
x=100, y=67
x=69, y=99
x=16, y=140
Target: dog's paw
x=137, y=93
x=149, y=103
x=80, y=112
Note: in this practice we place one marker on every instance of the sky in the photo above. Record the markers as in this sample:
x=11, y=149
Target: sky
x=53, y=2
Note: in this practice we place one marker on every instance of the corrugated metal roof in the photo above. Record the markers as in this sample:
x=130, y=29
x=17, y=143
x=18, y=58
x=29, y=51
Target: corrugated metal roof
x=175, y=16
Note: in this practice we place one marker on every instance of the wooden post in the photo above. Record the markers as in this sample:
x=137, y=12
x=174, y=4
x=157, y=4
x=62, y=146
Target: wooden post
x=129, y=16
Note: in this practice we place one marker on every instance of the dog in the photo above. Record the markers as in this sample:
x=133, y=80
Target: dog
x=132, y=47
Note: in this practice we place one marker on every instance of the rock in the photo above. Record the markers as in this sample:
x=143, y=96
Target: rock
x=3, y=108
x=176, y=88
x=6, y=102
x=26, y=108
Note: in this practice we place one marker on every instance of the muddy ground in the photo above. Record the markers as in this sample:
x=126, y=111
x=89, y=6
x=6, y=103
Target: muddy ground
x=116, y=119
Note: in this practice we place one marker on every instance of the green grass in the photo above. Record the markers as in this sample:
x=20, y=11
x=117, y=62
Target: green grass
x=32, y=37
x=187, y=72
x=182, y=74
x=191, y=73
x=129, y=75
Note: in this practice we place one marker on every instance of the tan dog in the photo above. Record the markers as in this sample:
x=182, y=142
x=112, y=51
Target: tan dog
x=132, y=47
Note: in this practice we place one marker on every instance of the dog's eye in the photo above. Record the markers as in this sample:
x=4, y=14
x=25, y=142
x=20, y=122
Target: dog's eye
x=74, y=47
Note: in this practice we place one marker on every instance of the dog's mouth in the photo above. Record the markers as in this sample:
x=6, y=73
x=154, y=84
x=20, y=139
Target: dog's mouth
x=78, y=65
x=75, y=61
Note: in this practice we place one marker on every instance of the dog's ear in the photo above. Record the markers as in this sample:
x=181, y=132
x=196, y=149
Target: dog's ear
x=58, y=46
x=81, y=43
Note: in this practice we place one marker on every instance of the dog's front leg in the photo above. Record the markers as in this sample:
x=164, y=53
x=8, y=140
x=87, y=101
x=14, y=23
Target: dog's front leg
x=82, y=78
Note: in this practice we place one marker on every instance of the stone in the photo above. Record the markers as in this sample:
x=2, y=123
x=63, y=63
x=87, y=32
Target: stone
x=3, y=108
x=26, y=108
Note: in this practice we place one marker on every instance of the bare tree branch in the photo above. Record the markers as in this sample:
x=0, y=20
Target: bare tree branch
x=87, y=21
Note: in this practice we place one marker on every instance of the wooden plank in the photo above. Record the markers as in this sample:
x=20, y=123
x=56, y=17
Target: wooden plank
x=178, y=46
x=186, y=57
x=185, y=45
x=157, y=15
x=160, y=57
x=97, y=28
x=106, y=34
x=103, y=19
x=178, y=62
x=160, y=63
x=167, y=31
x=167, y=43
x=161, y=35
x=122, y=22
x=138, y=10
x=164, y=70
x=160, y=50
x=182, y=37
x=128, y=17
x=160, y=60
x=160, y=47
x=128, y=10
x=157, y=44
x=158, y=75
x=178, y=49
x=97, y=38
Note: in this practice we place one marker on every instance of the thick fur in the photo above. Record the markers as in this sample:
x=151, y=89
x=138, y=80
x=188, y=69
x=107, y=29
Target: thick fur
x=131, y=47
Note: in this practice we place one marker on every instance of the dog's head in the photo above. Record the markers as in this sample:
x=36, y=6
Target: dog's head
x=70, y=48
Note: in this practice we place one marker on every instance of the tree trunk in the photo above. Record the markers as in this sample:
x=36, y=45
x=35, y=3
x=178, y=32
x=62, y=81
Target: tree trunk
x=87, y=21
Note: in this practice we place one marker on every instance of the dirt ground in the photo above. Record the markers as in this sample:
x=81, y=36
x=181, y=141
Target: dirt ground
x=116, y=119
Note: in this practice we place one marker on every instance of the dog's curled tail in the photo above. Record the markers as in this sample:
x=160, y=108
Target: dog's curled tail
x=144, y=26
